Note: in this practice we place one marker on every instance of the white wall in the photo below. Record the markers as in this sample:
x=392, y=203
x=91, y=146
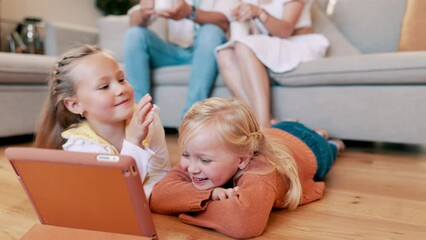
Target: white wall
x=83, y=12
x=80, y=12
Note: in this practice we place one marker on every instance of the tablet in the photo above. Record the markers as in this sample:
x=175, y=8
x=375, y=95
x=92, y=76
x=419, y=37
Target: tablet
x=84, y=190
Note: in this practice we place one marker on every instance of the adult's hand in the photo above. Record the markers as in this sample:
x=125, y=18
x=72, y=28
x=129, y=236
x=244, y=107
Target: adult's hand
x=180, y=11
x=141, y=16
x=245, y=11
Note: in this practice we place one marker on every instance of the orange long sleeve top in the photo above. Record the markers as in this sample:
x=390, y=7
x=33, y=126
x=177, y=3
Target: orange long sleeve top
x=245, y=215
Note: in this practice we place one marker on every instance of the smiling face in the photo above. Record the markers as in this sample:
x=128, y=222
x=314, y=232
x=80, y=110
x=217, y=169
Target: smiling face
x=102, y=92
x=209, y=162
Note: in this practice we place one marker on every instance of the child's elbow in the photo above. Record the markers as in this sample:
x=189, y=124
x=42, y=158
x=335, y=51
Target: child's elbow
x=247, y=227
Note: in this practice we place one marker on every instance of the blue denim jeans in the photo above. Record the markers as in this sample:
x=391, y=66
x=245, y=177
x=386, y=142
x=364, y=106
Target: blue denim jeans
x=325, y=153
x=144, y=50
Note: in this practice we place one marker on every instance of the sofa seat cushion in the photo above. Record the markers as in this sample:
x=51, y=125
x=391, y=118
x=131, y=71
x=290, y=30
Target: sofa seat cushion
x=403, y=68
x=175, y=75
x=25, y=68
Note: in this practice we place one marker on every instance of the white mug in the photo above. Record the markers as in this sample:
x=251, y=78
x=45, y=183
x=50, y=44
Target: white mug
x=163, y=4
x=239, y=29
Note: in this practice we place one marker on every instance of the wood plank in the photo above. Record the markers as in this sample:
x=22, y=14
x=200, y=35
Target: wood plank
x=369, y=194
x=302, y=224
x=383, y=175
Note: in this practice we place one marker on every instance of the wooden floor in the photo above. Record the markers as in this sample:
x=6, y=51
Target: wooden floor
x=374, y=191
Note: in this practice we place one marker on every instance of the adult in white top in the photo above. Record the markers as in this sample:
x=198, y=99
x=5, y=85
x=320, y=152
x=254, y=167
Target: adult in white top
x=282, y=38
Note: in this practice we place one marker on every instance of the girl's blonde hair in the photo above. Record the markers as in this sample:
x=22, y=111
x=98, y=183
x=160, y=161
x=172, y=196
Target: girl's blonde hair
x=55, y=117
x=235, y=124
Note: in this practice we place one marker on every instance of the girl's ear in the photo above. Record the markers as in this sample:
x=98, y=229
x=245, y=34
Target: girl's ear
x=73, y=105
x=244, y=161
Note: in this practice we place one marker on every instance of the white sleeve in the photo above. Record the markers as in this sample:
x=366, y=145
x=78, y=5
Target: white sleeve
x=159, y=165
x=142, y=157
x=75, y=144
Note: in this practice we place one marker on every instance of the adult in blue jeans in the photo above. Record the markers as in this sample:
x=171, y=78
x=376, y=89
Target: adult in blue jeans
x=198, y=27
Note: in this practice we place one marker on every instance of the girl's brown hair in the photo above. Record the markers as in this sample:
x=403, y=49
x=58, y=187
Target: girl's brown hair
x=55, y=117
x=238, y=128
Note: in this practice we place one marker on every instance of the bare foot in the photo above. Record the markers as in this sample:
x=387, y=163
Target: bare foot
x=274, y=121
x=338, y=143
x=291, y=120
x=323, y=133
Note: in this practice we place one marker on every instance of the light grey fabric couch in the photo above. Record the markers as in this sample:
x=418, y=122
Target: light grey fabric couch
x=22, y=91
x=23, y=78
x=363, y=90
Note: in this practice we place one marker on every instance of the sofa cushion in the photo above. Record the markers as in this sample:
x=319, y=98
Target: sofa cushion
x=368, y=69
x=413, y=30
x=368, y=29
x=175, y=75
x=339, y=45
x=111, y=34
x=60, y=37
x=25, y=68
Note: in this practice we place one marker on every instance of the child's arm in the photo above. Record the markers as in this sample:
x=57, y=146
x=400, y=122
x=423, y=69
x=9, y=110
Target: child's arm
x=159, y=164
x=153, y=159
x=175, y=194
x=242, y=216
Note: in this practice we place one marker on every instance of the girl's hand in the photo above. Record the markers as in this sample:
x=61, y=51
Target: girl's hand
x=224, y=193
x=245, y=11
x=138, y=128
x=147, y=4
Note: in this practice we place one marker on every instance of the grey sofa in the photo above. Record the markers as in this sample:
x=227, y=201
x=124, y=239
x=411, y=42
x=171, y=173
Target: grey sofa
x=22, y=91
x=23, y=78
x=363, y=90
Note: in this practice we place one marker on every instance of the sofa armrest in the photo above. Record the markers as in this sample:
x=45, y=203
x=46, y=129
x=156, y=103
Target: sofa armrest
x=60, y=37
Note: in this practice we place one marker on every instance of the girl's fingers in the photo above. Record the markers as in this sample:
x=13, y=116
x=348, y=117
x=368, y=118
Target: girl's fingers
x=222, y=196
x=148, y=120
x=145, y=101
x=144, y=116
x=231, y=192
x=146, y=98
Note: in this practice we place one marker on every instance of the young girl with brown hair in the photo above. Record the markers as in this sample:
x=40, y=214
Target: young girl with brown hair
x=90, y=108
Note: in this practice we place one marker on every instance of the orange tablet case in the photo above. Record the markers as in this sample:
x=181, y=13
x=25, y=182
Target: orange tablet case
x=49, y=232
x=84, y=190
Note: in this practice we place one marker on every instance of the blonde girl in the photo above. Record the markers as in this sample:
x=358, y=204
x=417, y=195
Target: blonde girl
x=90, y=108
x=231, y=174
